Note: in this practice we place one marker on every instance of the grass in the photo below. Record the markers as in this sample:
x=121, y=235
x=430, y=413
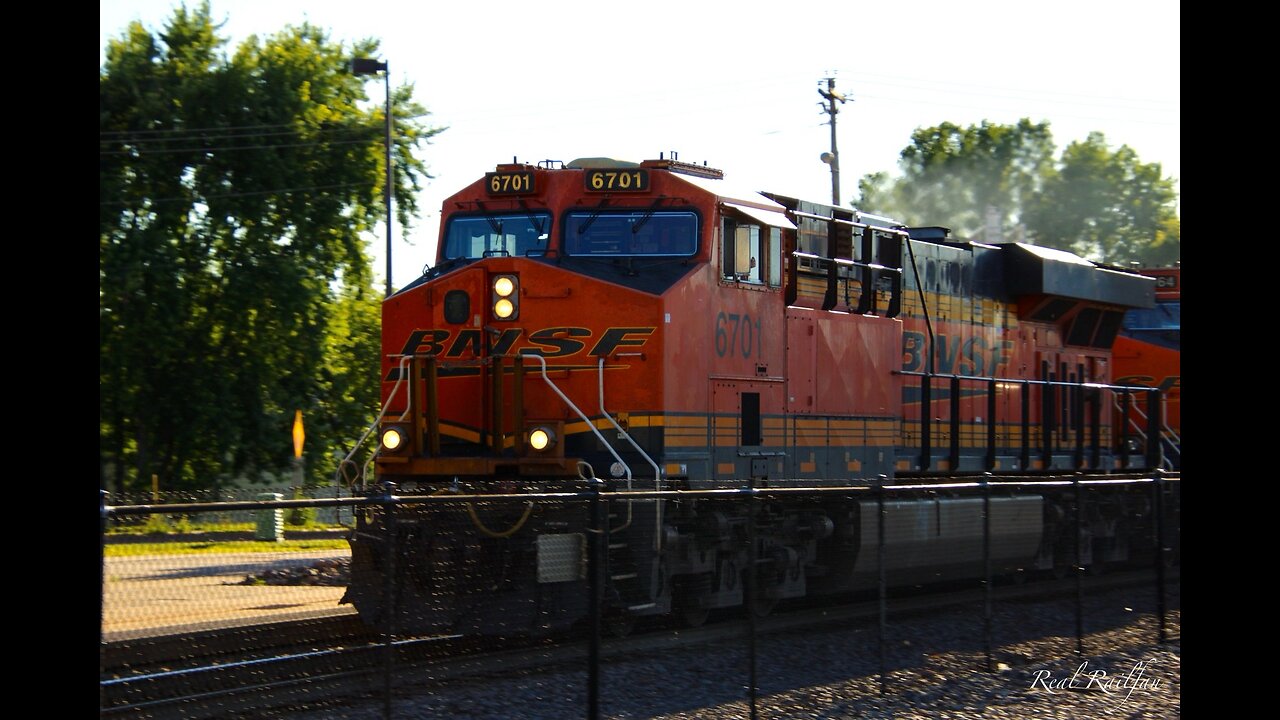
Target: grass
x=240, y=546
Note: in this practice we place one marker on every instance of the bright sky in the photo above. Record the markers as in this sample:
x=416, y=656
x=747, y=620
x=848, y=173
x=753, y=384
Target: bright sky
x=735, y=83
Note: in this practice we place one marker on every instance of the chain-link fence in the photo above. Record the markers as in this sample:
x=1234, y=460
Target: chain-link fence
x=759, y=602
x=302, y=519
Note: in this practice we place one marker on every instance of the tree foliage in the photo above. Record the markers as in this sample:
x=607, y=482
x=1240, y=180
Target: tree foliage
x=1106, y=204
x=235, y=193
x=991, y=181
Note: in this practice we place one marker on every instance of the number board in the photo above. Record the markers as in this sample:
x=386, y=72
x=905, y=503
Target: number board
x=616, y=180
x=509, y=183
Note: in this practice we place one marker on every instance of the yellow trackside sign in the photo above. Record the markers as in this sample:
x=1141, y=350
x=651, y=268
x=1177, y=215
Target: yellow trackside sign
x=298, y=435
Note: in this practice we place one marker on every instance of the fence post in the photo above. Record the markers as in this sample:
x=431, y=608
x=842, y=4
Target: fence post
x=1158, y=489
x=926, y=421
x=1095, y=428
x=337, y=494
x=1079, y=513
x=986, y=566
x=597, y=537
x=1155, y=452
x=1125, y=400
x=1077, y=414
x=953, y=449
x=389, y=594
x=880, y=481
x=102, y=583
x=270, y=521
x=750, y=589
x=102, y=567
x=1048, y=408
x=991, y=424
x=1024, y=456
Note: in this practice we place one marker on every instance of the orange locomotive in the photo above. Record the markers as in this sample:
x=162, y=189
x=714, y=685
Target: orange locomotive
x=1148, y=352
x=655, y=326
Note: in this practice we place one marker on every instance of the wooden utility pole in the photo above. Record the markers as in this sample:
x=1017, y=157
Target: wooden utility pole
x=832, y=158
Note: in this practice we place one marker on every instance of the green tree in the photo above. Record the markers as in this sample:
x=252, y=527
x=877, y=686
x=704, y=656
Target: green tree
x=1166, y=249
x=1106, y=204
x=235, y=193
x=955, y=176
x=1103, y=204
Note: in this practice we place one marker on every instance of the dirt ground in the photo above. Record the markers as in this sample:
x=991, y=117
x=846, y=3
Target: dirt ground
x=148, y=594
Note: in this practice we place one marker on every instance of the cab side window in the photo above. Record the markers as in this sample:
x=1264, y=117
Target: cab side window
x=742, y=259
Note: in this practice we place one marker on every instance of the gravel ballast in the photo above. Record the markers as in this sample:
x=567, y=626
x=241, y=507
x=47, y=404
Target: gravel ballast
x=935, y=664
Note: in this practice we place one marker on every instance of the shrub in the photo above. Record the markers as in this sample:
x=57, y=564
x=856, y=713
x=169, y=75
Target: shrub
x=156, y=525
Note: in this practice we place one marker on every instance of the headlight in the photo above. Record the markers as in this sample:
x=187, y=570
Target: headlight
x=542, y=438
x=505, y=301
x=393, y=439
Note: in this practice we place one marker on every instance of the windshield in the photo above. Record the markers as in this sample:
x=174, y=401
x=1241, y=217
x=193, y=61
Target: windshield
x=478, y=236
x=649, y=233
x=1164, y=316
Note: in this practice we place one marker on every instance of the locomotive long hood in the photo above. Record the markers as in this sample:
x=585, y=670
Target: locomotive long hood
x=1034, y=270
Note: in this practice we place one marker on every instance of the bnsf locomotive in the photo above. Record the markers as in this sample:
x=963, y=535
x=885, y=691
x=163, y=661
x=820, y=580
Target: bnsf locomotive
x=1148, y=352
x=655, y=327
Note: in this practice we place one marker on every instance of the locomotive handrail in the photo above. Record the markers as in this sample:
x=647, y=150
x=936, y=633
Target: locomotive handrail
x=626, y=468
x=657, y=471
x=1021, y=381
x=851, y=223
x=1136, y=424
x=356, y=448
x=844, y=261
x=1076, y=426
x=543, y=361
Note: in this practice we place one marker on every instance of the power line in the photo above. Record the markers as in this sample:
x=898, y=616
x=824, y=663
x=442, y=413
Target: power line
x=207, y=137
x=278, y=191
x=214, y=128
x=143, y=151
x=233, y=129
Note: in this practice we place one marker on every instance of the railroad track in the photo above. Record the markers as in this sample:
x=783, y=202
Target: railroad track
x=219, y=673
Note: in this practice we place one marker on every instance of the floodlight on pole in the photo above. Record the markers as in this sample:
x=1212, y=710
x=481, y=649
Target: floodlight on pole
x=368, y=66
x=832, y=158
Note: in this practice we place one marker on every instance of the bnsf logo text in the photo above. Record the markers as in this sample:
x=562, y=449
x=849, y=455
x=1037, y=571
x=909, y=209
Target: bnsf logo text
x=548, y=342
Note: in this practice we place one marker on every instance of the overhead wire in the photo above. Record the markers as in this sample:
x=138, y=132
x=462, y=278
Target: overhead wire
x=276, y=191
x=237, y=130
x=211, y=149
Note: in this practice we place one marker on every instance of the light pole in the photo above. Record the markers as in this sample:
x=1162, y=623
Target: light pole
x=366, y=66
x=832, y=158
